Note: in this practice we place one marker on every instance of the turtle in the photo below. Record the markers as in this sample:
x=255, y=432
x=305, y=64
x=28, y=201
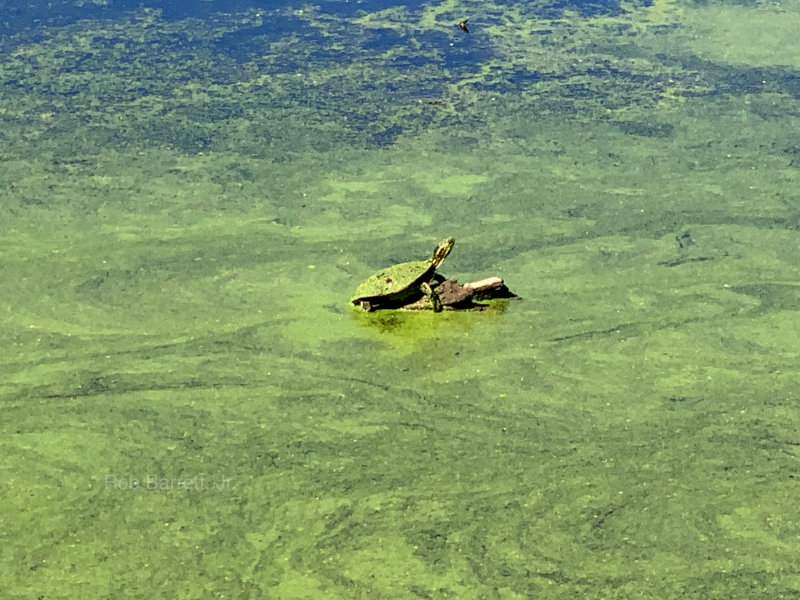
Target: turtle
x=399, y=284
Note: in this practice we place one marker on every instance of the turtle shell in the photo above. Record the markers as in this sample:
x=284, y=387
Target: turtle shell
x=400, y=281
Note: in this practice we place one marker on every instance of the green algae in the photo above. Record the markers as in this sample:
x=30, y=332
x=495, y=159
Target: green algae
x=183, y=227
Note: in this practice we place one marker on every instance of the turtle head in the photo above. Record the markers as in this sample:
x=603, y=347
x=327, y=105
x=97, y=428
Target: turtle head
x=441, y=251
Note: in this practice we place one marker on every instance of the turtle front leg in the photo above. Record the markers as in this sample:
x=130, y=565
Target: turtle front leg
x=432, y=296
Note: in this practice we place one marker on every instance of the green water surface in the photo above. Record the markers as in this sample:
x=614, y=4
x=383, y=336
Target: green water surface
x=190, y=409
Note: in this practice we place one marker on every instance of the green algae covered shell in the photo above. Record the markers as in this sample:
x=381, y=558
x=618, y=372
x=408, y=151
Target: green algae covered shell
x=397, y=282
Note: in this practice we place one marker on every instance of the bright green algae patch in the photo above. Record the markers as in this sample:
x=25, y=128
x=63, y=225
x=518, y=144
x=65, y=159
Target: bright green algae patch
x=183, y=228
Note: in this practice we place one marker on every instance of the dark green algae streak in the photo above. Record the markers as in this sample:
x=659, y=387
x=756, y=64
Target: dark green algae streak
x=189, y=405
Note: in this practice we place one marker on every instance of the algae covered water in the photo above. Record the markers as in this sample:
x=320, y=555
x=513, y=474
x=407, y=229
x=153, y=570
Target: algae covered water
x=190, y=195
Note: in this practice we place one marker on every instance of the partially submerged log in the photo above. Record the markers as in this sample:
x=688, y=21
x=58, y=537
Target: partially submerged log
x=463, y=296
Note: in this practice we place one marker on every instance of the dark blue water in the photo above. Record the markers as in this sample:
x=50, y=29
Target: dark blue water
x=16, y=17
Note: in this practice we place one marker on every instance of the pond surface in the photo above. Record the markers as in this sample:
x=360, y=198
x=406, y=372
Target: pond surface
x=192, y=191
